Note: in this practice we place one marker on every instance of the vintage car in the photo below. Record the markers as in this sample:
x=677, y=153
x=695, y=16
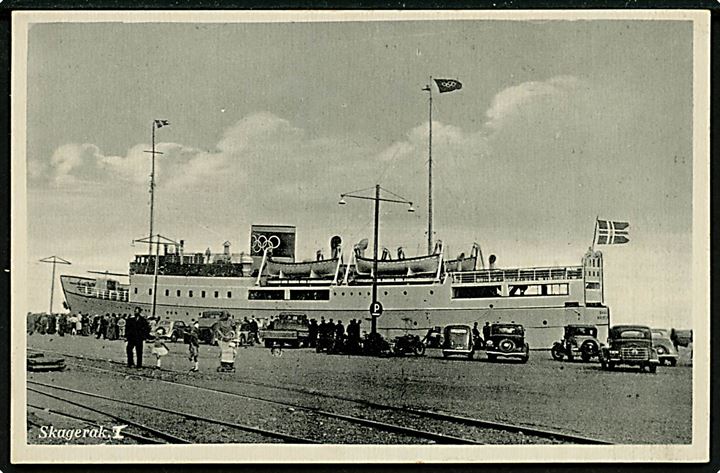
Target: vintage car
x=289, y=329
x=577, y=340
x=172, y=330
x=507, y=340
x=458, y=340
x=664, y=346
x=629, y=345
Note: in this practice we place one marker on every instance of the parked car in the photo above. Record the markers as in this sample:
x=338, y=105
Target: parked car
x=629, y=345
x=577, y=340
x=458, y=340
x=507, y=340
x=172, y=330
x=664, y=346
x=291, y=329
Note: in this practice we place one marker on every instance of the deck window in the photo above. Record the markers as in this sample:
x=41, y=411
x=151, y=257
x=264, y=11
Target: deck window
x=178, y=292
x=476, y=292
x=167, y=292
x=266, y=295
x=310, y=295
x=592, y=285
x=217, y=294
x=524, y=290
x=202, y=294
x=135, y=290
x=190, y=294
x=150, y=292
x=229, y=295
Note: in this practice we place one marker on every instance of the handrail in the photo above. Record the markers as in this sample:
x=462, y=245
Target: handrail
x=121, y=295
x=518, y=274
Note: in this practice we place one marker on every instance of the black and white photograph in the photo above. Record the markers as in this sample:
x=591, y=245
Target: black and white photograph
x=360, y=236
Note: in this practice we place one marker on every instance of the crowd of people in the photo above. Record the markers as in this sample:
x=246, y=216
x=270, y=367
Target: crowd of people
x=108, y=326
x=328, y=335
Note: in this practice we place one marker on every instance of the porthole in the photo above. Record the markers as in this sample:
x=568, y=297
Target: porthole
x=404, y=293
x=342, y=293
x=415, y=323
x=544, y=322
x=386, y=293
x=432, y=292
x=351, y=293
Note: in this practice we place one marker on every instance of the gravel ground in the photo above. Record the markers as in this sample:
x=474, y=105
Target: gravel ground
x=623, y=406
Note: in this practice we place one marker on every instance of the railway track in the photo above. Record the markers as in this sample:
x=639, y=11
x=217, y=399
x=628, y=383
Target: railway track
x=89, y=421
x=243, y=427
x=444, y=418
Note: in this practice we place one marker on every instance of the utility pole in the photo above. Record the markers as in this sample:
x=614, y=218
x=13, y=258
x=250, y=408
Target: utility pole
x=55, y=260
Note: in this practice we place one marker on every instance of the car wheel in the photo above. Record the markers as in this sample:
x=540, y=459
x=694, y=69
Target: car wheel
x=492, y=357
x=673, y=361
x=652, y=368
x=174, y=338
x=445, y=355
x=585, y=356
x=419, y=350
x=557, y=353
x=470, y=355
x=610, y=365
x=268, y=344
x=603, y=364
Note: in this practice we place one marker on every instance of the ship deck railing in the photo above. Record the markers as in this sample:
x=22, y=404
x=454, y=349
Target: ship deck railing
x=518, y=274
x=121, y=295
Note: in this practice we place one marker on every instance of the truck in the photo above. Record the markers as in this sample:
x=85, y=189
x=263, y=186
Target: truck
x=211, y=321
x=288, y=329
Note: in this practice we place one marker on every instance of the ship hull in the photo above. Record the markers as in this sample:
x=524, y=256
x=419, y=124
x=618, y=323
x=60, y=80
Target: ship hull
x=408, y=309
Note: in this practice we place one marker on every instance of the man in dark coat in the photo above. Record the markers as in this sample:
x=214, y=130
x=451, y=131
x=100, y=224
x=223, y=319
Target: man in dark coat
x=137, y=330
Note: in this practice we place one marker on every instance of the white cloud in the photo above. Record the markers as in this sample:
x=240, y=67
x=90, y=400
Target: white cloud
x=509, y=101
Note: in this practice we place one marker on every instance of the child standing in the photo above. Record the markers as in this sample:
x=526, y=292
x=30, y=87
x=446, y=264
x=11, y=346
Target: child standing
x=194, y=346
x=159, y=350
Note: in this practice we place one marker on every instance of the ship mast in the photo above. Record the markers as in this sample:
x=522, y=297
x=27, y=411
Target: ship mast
x=428, y=89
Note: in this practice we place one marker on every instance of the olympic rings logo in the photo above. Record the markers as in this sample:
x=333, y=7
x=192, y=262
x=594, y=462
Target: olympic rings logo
x=261, y=243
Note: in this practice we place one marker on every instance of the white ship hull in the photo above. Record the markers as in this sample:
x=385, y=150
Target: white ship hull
x=408, y=307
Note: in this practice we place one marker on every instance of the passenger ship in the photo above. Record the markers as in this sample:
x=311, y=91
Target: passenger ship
x=417, y=293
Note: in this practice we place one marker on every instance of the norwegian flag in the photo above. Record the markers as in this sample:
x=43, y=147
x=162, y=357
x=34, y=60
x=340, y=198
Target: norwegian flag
x=612, y=233
x=448, y=85
x=161, y=123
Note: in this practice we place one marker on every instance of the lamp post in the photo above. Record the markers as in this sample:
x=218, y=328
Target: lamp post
x=375, y=306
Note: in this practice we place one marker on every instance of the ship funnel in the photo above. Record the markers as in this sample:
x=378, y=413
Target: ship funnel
x=492, y=261
x=335, y=244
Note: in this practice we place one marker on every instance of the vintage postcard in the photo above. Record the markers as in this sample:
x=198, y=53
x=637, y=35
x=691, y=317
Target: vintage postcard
x=428, y=236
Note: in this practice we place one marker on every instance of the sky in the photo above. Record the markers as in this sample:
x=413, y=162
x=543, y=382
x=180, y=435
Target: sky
x=557, y=122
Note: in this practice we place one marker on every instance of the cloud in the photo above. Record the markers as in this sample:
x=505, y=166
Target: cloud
x=511, y=100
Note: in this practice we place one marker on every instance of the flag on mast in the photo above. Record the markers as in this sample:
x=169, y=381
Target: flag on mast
x=448, y=85
x=161, y=123
x=610, y=232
